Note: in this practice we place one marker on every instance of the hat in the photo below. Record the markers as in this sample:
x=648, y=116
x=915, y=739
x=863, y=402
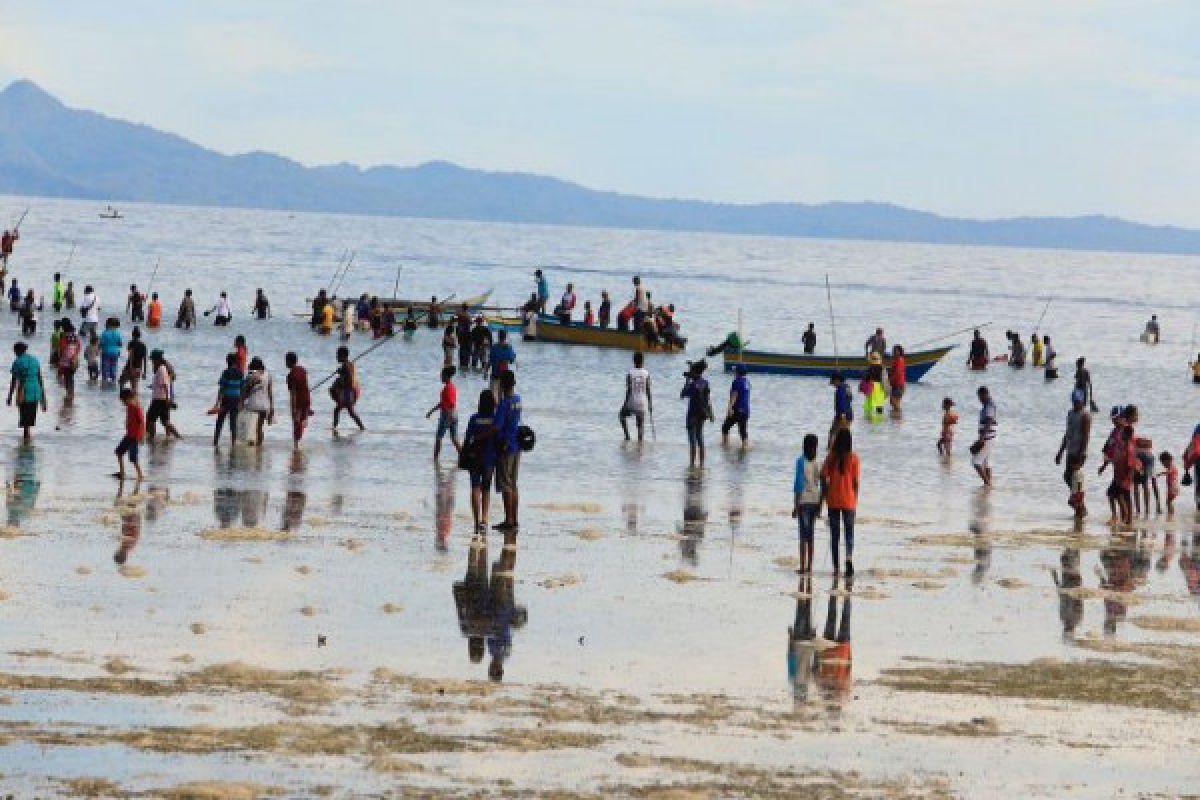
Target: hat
x=874, y=359
x=156, y=353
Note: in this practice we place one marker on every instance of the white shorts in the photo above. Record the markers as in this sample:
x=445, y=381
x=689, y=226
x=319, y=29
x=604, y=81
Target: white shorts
x=981, y=458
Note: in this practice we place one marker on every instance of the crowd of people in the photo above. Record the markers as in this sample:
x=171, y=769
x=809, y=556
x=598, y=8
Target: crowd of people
x=657, y=323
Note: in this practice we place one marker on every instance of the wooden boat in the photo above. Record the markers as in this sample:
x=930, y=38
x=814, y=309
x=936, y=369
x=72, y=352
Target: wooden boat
x=509, y=324
x=551, y=329
x=449, y=307
x=917, y=363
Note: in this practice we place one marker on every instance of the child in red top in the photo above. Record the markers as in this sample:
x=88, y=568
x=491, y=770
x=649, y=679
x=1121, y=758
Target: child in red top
x=135, y=432
x=1171, y=472
x=448, y=418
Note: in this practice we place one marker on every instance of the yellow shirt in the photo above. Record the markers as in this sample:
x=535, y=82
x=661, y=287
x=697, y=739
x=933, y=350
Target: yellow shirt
x=327, y=319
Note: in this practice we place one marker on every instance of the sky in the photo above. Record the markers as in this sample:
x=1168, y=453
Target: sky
x=980, y=108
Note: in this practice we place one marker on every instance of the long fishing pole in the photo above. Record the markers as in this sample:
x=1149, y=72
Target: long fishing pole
x=346, y=271
x=1043, y=316
x=337, y=269
x=70, y=257
x=396, y=288
x=24, y=213
x=832, y=322
x=153, y=275
x=952, y=333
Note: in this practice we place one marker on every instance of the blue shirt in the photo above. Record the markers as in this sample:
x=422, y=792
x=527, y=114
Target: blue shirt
x=25, y=369
x=508, y=419
x=741, y=395
x=231, y=382
x=543, y=288
x=843, y=404
x=110, y=342
x=502, y=355
x=696, y=392
x=800, y=483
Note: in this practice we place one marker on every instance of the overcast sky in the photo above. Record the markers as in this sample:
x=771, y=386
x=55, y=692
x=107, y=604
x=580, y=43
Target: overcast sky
x=975, y=108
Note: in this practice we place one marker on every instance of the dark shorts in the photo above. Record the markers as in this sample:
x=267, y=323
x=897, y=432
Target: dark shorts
x=507, y=469
x=27, y=414
x=482, y=478
x=159, y=411
x=128, y=446
x=898, y=391
x=231, y=404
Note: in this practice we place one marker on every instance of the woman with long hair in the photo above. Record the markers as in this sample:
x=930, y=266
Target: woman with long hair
x=840, y=478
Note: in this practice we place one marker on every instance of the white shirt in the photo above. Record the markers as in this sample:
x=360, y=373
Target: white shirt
x=638, y=383
x=639, y=298
x=91, y=307
x=162, y=383
x=223, y=309
x=256, y=394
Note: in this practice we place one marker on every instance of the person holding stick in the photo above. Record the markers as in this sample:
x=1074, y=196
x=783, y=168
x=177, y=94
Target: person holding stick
x=345, y=390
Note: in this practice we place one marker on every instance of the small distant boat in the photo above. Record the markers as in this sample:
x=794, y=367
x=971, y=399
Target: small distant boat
x=110, y=213
x=509, y=324
x=917, y=363
x=551, y=329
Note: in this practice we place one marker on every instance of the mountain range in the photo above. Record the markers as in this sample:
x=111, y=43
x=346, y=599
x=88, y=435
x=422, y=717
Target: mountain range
x=48, y=149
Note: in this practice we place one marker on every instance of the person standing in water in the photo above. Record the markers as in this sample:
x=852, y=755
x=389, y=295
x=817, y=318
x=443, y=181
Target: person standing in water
x=69, y=296
x=843, y=405
x=876, y=343
x=299, y=397
x=841, y=476
x=806, y=505
x=154, y=313
x=262, y=306
x=229, y=399
x=135, y=304
x=809, y=340
x=447, y=408
x=479, y=455
x=507, y=424
x=69, y=351
x=1083, y=383
x=638, y=398
x=58, y=293
x=1074, y=446
x=543, y=291
x=699, y=410
x=1152, y=332
x=898, y=377
x=222, y=310
x=162, y=395
x=258, y=398
x=29, y=388
x=945, y=444
x=981, y=451
x=738, y=411
x=135, y=432
x=1037, y=352
x=978, y=355
x=186, y=318
x=1051, y=363
x=345, y=389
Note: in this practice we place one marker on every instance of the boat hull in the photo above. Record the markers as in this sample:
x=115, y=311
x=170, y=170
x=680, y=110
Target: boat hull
x=550, y=329
x=918, y=363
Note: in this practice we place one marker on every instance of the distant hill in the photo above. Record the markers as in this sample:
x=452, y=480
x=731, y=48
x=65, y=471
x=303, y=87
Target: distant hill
x=49, y=149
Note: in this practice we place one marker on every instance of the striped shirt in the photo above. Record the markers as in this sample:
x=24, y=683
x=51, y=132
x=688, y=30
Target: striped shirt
x=987, y=421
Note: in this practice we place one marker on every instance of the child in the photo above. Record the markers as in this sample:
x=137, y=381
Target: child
x=448, y=418
x=1171, y=472
x=945, y=444
x=135, y=432
x=1076, y=500
x=1145, y=478
x=92, y=354
x=807, y=505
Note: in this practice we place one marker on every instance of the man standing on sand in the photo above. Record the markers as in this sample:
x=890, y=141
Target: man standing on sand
x=507, y=423
x=299, y=397
x=1075, y=439
x=981, y=451
x=29, y=388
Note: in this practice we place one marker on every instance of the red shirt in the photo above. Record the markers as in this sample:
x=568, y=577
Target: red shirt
x=243, y=357
x=297, y=383
x=135, y=422
x=449, y=399
x=897, y=374
x=841, y=493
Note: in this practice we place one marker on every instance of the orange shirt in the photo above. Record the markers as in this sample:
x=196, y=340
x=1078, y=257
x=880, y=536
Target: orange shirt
x=155, y=318
x=841, y=492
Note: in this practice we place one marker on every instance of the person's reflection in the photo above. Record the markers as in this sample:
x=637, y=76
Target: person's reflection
x=737, y=503
x=1116, y=576
x=254, y=507
x=487, y=609
x=632, y=491
x=834, y=663
x=22, y=491
x=226, y=504
x=801, y=652
x=980, y=527
x=295, y=499
x=157, y=498
x=1168, y=553
x=443, y=517
x=1189, y=563
x=131, y=525
x=695, y=515
x=1070, y=604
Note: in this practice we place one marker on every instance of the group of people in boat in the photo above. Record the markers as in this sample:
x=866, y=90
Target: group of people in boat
x=656, y=322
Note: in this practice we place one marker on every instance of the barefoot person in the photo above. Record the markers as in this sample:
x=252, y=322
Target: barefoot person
x=299, y=397
x=508, y=421
x=229, y=399
x=258, y=398
x=447, y=408
x=945, y=444
x=806, y=507
x=345, y=389
x=162, y=394
x=479, y=457
x=699, y=410
x=1074, y=445
x=638, y=399
x=841, y=475
x=981, y=451
x=738, y=411
x=135, y=432
x=29, y=388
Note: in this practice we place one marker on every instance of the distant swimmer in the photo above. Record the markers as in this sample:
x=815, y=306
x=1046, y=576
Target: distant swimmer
x=1152, y=333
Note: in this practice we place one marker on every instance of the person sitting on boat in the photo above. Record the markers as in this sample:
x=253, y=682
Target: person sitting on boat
x=605, y=310
x=669, y=329
x=1152, y=331
x=625, y=316
x=732, y=343
x=650, y=328
x=876, y=343
x=566, y=306
x=387, y=322
x=318, y=309
x=589, y=316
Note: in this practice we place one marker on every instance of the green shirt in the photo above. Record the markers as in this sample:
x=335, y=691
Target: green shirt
x=26, y=370
x=60, y=292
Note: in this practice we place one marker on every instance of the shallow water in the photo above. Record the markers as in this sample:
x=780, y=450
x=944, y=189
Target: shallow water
x=634, y=575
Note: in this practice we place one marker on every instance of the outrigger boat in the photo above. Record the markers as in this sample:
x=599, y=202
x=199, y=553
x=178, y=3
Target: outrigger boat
x=551, y=329
x=917, y=363
x=449, y=306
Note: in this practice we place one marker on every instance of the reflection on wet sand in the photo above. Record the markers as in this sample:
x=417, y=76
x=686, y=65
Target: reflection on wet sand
x=230, y=505
x=1070, y=603
x=443, y=518
x=827, y=661
x=980, y=526
x=695, y=516
x=131, y=525
x=487, y=610
x=22, y=490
